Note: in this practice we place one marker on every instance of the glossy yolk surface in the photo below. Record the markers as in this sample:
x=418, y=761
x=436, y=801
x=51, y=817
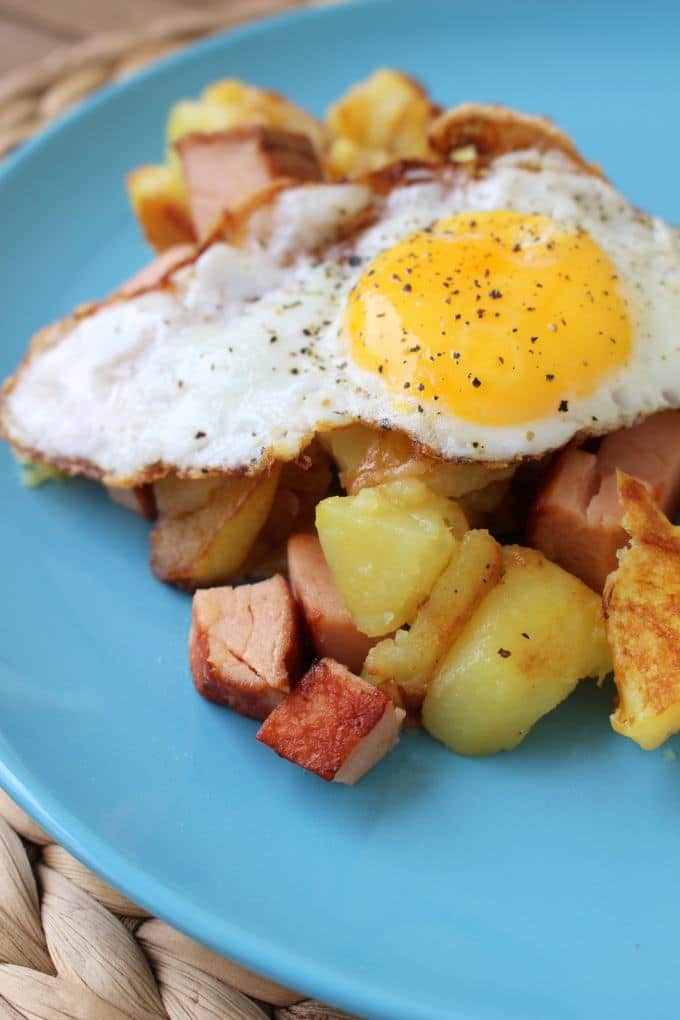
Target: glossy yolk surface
x=499, y=317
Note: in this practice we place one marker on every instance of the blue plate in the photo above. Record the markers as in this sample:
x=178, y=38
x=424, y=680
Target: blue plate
x=541, y=885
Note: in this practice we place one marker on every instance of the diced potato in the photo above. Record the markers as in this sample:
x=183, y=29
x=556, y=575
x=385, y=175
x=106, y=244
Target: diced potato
x=642, y=613
x=386, y=547
x=230, y=103
x=523, y=651
x=347, y=446
x=383, y=118
x=253, y=105
x=391, y=455
x=368, y=456
x=140, y=499
x=158, y=198
x=409, y=659
x=207, y=545
x=194, y=115
x=181, y=495
x=302, y=485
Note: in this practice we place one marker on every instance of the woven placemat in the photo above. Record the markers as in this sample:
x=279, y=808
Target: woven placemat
x=71, y=946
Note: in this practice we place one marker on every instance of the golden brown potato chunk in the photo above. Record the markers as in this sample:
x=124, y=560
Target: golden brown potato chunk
x=384, y=118
x=524, y=649
x=386, y=546
x=409, y=659
x=642, y=614
x=208, y=542
x=158, y=198
x=139, y=499
x=367, y=457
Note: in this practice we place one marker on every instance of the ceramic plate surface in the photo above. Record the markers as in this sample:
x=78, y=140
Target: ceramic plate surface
x=541, y=885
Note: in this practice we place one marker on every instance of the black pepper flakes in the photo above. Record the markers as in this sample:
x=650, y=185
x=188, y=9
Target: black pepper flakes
x=564, y=406
x=495, y=294
x=504, y=653
x=476, y=382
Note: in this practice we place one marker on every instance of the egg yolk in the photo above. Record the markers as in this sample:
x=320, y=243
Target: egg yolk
x=500, y=317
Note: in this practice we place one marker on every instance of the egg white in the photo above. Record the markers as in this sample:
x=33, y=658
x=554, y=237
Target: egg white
x=243, y=358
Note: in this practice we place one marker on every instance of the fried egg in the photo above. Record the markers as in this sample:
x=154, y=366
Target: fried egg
x=489, y=317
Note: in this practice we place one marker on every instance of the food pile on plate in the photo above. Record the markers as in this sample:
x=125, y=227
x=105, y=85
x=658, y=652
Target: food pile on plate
x=400, y=393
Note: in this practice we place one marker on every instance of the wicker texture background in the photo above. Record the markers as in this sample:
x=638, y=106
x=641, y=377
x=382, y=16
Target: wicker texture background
x=70, y=945
x=31, y=97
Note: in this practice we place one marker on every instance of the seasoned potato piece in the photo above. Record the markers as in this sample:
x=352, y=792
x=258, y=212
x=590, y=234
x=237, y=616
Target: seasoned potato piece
x=368, y=456
x=347, y=446
x=523, y=651
x=191, y=116
x=302, y=484
x=181, y=495
x=642, y=614
x=252, y=105
x=410, y=658
x=158, y=198
x=391, y=455
x=386, y=547
x=229, y=104
x=383, y=118
x=207, y=545
x=140, y=499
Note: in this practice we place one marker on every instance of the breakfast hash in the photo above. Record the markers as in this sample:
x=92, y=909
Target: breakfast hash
x=400, y=393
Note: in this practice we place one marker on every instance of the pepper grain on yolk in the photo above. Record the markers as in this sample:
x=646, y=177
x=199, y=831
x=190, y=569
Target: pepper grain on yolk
x=499, y=317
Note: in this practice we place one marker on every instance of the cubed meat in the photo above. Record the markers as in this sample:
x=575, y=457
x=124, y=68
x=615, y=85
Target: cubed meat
x=244, y=645
x=330, y=626
x=224, y=168
x=575, y=519
x=333, y=724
